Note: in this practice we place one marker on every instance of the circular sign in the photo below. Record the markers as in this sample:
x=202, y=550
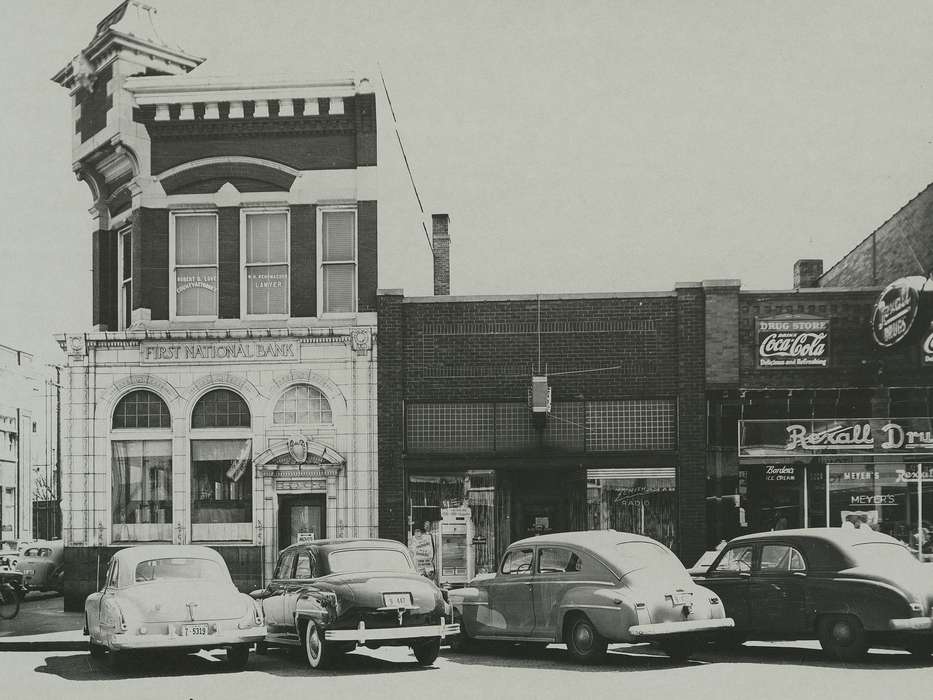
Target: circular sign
x=896, y=310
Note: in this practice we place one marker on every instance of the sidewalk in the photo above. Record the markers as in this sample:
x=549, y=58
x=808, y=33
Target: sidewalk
x=42, y=625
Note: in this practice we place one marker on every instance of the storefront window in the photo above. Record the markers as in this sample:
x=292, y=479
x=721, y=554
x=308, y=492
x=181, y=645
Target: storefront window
x=644, y=503
x=452, y=520
x=221, y=481
x=141, y=481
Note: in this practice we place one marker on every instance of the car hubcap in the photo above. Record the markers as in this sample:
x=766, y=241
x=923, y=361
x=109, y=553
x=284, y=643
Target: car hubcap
x=582, y=637
x=314, y=644
x=842, y=633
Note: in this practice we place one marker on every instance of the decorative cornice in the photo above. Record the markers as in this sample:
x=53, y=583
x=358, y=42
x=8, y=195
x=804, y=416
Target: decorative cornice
x=265, y=125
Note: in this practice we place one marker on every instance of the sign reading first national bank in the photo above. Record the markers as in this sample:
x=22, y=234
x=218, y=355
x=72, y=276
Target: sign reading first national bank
x=217, y=352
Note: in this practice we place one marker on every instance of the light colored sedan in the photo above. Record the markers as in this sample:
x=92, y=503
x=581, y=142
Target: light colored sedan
x=171, y=597
x=586, y=589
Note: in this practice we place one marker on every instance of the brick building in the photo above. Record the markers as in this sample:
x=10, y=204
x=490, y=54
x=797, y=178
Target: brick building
x=226, y=392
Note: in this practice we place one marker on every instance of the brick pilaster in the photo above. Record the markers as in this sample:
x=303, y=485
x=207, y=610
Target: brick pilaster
x=391, y=429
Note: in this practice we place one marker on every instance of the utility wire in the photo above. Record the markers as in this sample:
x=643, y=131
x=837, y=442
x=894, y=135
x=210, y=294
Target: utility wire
x=411, y=177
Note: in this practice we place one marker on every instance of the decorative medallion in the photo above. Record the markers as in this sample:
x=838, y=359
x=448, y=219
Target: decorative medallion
x=298, y=449
x=361, y=340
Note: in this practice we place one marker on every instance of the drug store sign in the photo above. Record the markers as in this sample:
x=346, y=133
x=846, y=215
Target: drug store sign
x=795, y=342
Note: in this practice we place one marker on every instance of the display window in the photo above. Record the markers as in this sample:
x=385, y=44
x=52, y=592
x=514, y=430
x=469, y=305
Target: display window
x=221, y=481
x=642, y=501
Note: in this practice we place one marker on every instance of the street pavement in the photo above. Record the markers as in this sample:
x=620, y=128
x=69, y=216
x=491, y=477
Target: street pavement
x=57, y=665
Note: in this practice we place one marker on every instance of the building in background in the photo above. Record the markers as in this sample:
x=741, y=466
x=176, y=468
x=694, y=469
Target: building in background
x=226, y=393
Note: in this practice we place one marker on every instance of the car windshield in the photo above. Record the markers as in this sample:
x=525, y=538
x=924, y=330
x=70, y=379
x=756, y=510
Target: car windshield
x=350, y=560
x=179, y=569
x=646, y=560
x=883, y=554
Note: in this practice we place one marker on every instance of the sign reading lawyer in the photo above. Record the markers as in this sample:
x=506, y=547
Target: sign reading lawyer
x=220, y=351
x=793, y=342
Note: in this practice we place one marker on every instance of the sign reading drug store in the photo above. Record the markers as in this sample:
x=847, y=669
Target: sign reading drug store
x=840, y=437
x=793, y=342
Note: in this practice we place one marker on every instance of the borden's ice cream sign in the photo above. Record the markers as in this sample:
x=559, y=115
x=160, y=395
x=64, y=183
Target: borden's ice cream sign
x=896, y=311
x=793, y=342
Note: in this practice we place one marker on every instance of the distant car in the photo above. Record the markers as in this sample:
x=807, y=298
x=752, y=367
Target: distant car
x=330, y=596
x=171, y=597
x=10, y=552
x=849, y=588
x=41, y=564
x=586, y=589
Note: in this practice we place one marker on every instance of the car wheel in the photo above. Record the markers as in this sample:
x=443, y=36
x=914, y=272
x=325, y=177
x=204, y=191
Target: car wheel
x=238, y=656
x=320, y=653
x=843, y=637
x=262, y=648
x=584, y=643
x=426, y=652
x=9, y=602
x=679, y=650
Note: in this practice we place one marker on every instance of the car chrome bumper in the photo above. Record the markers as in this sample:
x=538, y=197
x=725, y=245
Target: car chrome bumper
x=122, y=642
x=665, y=629
x=910, y=624
x=361, y=634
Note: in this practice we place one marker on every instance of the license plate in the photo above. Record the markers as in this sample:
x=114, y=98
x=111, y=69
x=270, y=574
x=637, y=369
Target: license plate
x=194, y=631
x=29, y=572
x=681, y=598
x=397, y=600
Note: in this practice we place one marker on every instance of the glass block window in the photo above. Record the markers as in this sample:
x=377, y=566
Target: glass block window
x=302, y=405
x=141, y=409
x=448, y=427
x=221, y=408
x=514, y=430
x=565, y=426
x=631, y=425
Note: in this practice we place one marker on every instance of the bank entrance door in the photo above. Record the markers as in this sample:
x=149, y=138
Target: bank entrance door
x=301, y=517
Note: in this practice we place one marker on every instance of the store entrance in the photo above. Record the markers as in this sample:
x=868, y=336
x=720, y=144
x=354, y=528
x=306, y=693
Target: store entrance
x=545, y=502
x=301, y=517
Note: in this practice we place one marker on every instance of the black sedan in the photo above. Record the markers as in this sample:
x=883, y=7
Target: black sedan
x=330, y=596
x=851, y=589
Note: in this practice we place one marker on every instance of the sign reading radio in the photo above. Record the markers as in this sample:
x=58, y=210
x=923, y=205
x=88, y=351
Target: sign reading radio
x=793, y=342
x=896, y=310
x=217, y=352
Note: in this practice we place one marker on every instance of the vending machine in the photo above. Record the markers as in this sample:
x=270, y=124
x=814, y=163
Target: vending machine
x=455, y=554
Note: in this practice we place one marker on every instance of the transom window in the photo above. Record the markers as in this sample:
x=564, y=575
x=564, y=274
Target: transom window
x=302, y=405
x=141, y=409
x=338, y=260
x=220, y=408
x=265, y=267
x=194, y=270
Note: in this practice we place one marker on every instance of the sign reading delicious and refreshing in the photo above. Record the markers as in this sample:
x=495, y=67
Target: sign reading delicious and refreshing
x=896, y=310
x=793, y=342
x=775, y=438
x=219, y=351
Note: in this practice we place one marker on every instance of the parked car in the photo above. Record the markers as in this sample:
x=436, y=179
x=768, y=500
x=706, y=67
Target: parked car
x=42, y=566
x=849, y=588
x=587, y=589
x=171, y=597
x=330, y=596
x=10, y=552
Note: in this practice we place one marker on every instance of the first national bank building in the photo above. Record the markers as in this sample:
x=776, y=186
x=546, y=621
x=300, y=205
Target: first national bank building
x=226, y=394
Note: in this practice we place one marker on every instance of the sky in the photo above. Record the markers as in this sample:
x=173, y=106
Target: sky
x=577, y=146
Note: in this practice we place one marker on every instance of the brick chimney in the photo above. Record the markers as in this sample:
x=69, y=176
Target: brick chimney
x=440, y=239
x=807, y=273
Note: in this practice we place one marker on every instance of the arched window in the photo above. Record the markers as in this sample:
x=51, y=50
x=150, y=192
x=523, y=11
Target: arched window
x=221, y=469
x=141, y=469
x=141, y=409
x=220, y=408
x=302, y=405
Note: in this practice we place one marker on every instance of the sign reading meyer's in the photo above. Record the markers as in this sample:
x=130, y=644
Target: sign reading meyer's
x=219, y=351
x=835, y=437
x=793, y=342
x=896, y=311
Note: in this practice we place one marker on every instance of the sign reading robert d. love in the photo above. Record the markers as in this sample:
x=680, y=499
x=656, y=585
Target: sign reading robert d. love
x=793, y=342
x=220, y=351
x=896, y=311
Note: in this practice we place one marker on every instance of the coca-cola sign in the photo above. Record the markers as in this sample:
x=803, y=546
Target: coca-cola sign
x=798, y=342
x=926, y=348
x=896, y=311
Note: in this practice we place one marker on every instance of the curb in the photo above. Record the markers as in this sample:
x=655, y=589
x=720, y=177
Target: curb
x=63, y=645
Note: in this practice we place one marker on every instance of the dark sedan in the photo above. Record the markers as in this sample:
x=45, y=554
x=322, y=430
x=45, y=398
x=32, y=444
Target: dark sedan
x=330, y=596
x=851, y=589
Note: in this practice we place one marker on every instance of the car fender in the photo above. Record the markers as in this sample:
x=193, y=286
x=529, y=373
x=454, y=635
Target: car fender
x=92, y=616
x=609, y=609
x=875, y=603
x=464, y=602
x=311, y=606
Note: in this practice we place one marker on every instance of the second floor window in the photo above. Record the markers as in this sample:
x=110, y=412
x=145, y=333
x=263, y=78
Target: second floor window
x=338, y=261
x=194, y=272
x=265, y=263
x=125, y=275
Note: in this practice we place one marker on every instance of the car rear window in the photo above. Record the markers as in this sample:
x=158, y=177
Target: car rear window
x=884, y=554
x=345, y=561
x=179, y=569
x=646, y=559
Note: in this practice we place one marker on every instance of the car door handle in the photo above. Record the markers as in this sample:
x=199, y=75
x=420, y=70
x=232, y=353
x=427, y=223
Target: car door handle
x=776, y=587
x=529, y=586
